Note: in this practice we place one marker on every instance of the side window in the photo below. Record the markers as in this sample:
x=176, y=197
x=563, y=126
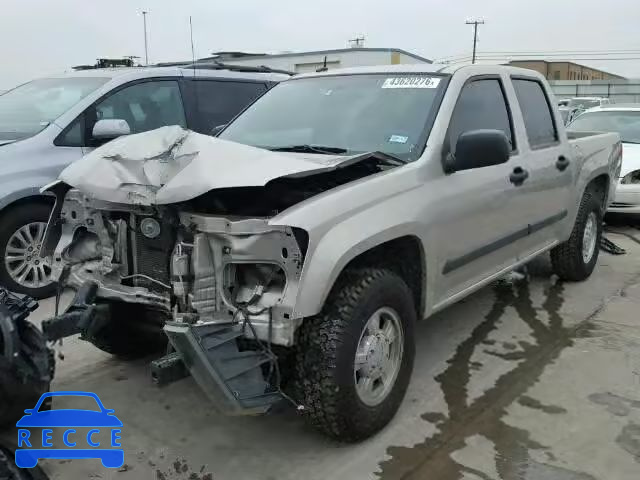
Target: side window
x=145, y=106
x=536, y=110
x=73, y=136
x=219, y=101
x=481, y=105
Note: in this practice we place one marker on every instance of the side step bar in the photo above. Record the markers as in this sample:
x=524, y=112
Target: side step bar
x=232, y=379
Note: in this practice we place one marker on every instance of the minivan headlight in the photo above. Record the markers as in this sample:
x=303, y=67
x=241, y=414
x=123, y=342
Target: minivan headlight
x=629, y=178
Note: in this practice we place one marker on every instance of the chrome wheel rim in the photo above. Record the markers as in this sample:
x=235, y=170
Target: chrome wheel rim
x=379, y=356
x=22, y=257
x=589, y=237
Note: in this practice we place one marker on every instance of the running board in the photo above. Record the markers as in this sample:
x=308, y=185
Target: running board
x=232, y=379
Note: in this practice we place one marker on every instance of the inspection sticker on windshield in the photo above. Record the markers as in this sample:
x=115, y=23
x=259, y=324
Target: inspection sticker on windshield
x=411, y=82
x=398, y=139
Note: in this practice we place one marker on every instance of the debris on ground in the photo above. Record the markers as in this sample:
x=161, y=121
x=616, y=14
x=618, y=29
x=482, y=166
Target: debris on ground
x=610, y=247
x=26, y=363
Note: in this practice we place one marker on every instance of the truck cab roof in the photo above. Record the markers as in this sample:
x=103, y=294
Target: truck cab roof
x=422, y=68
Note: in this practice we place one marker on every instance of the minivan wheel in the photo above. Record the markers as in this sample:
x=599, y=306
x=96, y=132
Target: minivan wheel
x=22, y=269
x=575, y=259
x=354, y=360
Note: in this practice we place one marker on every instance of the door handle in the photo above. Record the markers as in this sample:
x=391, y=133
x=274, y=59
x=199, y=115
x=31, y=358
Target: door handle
x=562, y=163
x=518, y=176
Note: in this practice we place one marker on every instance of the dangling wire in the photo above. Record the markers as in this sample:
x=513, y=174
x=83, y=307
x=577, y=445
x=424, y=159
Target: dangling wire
x=274, y=366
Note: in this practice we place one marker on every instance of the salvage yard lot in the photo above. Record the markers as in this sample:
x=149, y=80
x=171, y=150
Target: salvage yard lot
x=528, y=379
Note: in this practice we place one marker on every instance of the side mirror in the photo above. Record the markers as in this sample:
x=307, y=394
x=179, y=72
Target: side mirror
x=477, y=149
x=108, y=129
x=217, y=129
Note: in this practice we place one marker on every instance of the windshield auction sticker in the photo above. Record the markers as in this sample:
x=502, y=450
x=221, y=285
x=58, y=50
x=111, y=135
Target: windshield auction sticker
x=411, y=82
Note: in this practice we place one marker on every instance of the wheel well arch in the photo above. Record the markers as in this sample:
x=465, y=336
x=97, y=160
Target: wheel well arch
x=41, y=199
x=600, y=186
x=402, y=255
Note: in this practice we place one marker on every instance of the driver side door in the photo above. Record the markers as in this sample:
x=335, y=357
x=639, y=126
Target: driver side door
x=478, y=233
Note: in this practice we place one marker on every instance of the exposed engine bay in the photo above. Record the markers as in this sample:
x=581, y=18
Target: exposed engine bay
x=197, y=267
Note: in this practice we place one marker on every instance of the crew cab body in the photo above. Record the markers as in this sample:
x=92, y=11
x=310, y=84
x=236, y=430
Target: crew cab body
x=324, y=220
x=48, y=123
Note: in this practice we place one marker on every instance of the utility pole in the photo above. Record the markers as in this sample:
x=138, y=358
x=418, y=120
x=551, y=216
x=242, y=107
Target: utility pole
x=357, y=42
x=146, y=49
x=475, y=24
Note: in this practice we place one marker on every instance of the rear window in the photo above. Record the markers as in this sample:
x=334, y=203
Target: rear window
x=536, y=110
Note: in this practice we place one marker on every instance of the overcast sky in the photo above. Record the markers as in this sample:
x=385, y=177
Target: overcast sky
x=40, y=37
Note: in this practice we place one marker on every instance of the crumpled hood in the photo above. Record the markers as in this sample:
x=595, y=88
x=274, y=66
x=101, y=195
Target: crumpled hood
x=630, y=158
x=171, y=165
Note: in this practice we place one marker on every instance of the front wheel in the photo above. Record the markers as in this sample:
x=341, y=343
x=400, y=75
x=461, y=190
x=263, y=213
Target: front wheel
x=355, y=359
x=575, y=259
x=22, y=269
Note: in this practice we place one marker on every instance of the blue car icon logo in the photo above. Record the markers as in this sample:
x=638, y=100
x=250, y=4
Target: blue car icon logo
x=34, y=445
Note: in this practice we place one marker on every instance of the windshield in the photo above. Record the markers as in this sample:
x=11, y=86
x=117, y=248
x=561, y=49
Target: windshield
x=29, y=108
x=626, y=123
x=345, y=114
x=586, y=104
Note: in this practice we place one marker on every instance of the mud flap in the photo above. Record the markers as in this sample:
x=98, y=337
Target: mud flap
x=232, y=379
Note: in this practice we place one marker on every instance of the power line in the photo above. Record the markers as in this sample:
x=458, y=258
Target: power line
x=544, y=53
x=475, y=24
x=599, y=59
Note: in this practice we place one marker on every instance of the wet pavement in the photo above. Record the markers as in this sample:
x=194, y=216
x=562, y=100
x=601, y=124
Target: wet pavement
x=527, y=379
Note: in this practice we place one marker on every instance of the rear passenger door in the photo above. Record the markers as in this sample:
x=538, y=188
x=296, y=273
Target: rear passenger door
x=217, y=102
x=544, y=196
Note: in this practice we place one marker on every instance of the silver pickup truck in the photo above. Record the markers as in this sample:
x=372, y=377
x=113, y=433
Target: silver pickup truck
x=292, y=256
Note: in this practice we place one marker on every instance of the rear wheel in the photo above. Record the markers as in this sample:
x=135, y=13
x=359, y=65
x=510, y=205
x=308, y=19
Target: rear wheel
x=22, y=269
x=575, y=259
x=355, y=359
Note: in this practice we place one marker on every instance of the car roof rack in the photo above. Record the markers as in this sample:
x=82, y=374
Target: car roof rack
x=235, y=68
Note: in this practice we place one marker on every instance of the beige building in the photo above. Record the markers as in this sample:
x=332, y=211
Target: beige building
x=304, y=62
x=564, y=70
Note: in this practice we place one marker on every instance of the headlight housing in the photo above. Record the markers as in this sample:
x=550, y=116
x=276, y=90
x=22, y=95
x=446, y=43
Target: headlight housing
x=630, y=178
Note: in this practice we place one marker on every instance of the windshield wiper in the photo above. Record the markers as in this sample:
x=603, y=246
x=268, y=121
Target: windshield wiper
x=309, y=149
x=630, y=141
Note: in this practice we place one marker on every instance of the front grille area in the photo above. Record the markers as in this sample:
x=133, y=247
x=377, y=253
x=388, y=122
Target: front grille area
x=152, y=256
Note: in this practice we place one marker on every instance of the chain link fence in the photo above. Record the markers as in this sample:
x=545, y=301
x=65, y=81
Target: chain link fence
x=619, y=91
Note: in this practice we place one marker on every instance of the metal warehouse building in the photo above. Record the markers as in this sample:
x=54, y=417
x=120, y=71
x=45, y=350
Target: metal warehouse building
x=303, y=62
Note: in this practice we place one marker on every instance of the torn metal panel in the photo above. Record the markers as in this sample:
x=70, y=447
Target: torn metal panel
x=171, y=165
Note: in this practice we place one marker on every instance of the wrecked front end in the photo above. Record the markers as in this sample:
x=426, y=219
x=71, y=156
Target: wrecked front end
x=196, y=267
x=152, y=229
x=223, y=287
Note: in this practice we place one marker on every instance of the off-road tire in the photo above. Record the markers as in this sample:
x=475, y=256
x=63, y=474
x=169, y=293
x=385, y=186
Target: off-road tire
x=20, y=389
x=566, y=258
x=10, y=221
x=324, y=378
x=133, y=331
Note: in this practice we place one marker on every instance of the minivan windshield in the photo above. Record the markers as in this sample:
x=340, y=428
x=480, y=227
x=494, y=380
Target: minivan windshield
x=342, y=114
x=29, y=108
x=624, y=122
